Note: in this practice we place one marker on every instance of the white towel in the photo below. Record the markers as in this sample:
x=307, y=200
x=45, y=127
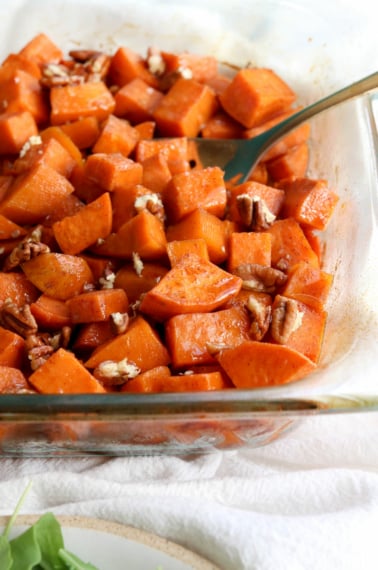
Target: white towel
x=306, y=501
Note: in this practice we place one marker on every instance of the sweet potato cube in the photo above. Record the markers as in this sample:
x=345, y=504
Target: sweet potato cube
x=23, y=92
x=15, y=130
x=307, y=336
x=193, y=285
x=188, y=336
x=293, y=163
x=97, y=305
x=185, y=108
x=201, y=67
x=62, y=373
x=56, y=133
x=255, y=95
x=41, y=49
x=113, y=171
x=222, y=126
x=143, y=234
x=35, y=194
x=17, y=288
x=135, y=284
x=126, y=65
x=83, y=132
x=309, y=283
x=310, y=202
x=176, y=249
x=147, y=381
x=140, y=344
x=9, y=229
x=136, y=101
x=254, y=364
x=200, y=224
x=12, y=348
x=197, y=382
x=123, y=202
x=15, y=62
x=188, y=191
x=72, y=102
x=117, y=135
x=49, y=152
x=289, y=245
x=273, y=198
x=91, y=223
x=50, y=313
x=156, y=173
x=58, y=275
x=249, y=247
x=12, y=380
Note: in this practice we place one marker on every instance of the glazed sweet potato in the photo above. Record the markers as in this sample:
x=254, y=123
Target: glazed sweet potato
x=135, y=268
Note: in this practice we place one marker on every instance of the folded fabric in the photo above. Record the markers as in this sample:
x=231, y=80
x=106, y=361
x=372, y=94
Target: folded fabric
x=308, y=500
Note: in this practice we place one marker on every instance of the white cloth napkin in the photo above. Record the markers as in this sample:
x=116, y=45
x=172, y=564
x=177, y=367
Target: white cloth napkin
x=306, y=501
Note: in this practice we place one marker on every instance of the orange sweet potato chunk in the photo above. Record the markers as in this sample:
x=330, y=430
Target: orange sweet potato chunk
x=136, y=101
x=140, y=345
x=117, y=135
x=12, y=348
x=72, y=102
x=112, y=171
x=97, y=306
x=58, y=275
x=91, y=223
x=62, y=373
x=35, y=194
x=41, y=49
x=188, y=336
x=255, y=364
x=185, y=108
x=15, y=130
x=256, y=95
x=192, y=285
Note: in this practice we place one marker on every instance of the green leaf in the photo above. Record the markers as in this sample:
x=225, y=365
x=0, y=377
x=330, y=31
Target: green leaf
x=25, y=550
x=16, y=511
x=5, y=554
x=73, y=562
x=50, y=541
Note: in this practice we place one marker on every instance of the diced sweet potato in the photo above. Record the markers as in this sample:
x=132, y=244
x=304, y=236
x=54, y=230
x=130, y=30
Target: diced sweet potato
x=185, y=108
x=117, y=136
x=255, y=95
x=15, y=130
x=91, y=223
x=136, y=101
x=289, y=245
x=249, y=247
x=58, y=275
x=255, y=364
x=50, y=313
x=140, y=345
x=192, y=285
x=113, y=171
x=97, y=305
x=12, y=349
x=72, y=102
x=135, y=284
x=62, y=373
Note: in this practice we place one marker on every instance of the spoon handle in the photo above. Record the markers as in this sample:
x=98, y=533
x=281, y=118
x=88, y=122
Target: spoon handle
x=358, y=88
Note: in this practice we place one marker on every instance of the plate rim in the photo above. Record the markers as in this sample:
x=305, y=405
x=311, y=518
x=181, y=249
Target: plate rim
x=141, y=536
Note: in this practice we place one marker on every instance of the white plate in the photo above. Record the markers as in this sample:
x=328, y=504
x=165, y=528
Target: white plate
x=112, y=546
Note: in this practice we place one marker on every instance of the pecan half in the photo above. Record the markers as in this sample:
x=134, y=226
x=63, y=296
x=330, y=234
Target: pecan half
x=18, y=319
x=83, y=55
x=254, y=212
x=113, y=373
x=260, y=278
x=261, y=315
x=27, y=249
x=286, y=318
x=39, y=349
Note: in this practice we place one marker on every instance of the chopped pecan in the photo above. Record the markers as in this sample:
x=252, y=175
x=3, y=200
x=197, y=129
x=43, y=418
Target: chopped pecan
x=119, y=322
x=107, y=279
x=39, y=349
x=151, y=202
x=260, y=278
x=61, y=339
x=27, y=249
x=59, y=75
x=83, y=55
x=113, y=373
x=97, y=67
x=254, y=212
x=18, y=319
x=214, y=347
x=286, y=318
x=261, y=314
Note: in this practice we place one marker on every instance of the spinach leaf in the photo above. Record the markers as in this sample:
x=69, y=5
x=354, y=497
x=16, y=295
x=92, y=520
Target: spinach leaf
x=73, y=562
x=50, y=540
x=5, y=554
x=25, y=550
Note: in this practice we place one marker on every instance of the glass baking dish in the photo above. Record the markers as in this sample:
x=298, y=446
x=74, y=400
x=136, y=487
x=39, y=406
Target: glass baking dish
x=307, y=44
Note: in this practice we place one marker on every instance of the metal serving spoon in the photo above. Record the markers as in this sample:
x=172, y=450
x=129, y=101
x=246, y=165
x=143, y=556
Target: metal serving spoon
x=239, y=156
